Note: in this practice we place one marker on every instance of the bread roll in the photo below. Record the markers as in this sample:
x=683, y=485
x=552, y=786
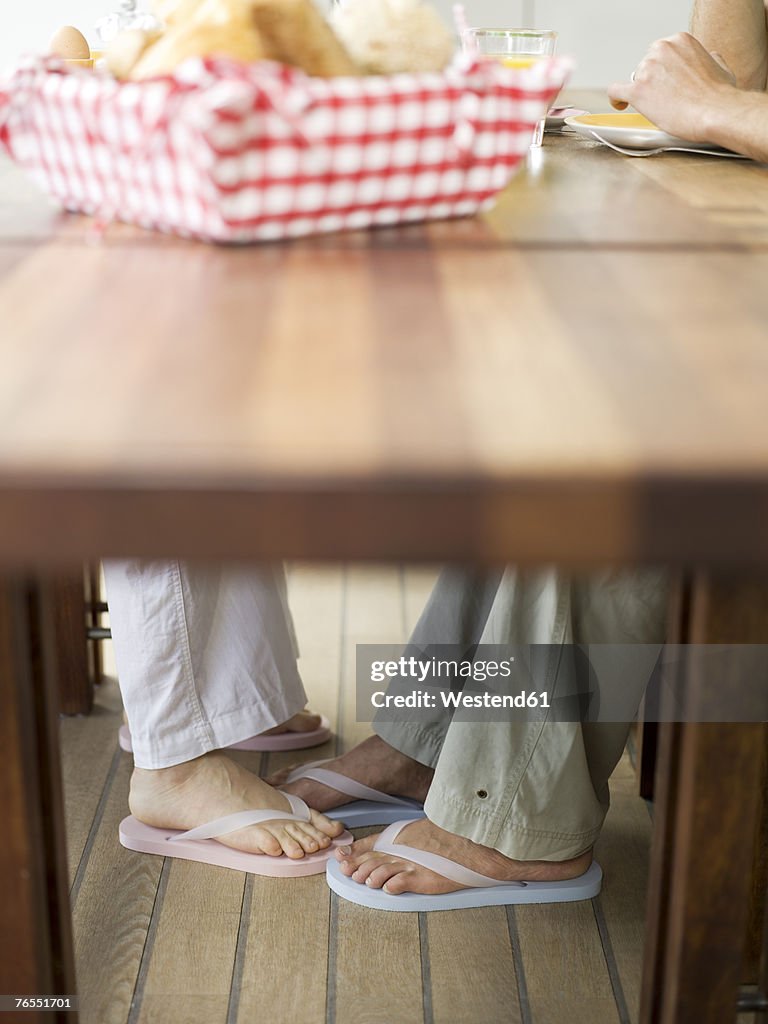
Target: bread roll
x=123, y=52
x=175, y=12
x=295, y=32
x=389, y=36
x=237, y=39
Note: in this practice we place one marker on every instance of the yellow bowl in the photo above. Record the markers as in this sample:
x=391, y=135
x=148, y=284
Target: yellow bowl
x=81, y=62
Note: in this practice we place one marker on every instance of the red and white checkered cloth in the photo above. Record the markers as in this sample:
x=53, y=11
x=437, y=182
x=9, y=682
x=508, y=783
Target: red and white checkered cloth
x=238, y=153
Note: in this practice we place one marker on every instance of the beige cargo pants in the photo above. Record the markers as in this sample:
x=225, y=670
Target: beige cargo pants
x=534, y=790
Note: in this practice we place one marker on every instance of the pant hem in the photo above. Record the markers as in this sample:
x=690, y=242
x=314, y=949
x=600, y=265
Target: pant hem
x=233, y=727
x=414, y=741
x=514, y=840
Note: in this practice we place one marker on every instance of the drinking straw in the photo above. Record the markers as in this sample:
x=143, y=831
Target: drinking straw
x=462, y=27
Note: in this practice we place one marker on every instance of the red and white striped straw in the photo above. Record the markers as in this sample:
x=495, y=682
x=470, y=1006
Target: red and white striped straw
x=468, y=41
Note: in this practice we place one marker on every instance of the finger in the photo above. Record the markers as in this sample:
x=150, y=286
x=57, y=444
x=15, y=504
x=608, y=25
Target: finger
x=620, y=95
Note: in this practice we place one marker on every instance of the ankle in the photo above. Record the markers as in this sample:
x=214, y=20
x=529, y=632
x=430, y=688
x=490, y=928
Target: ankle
x=153, y=783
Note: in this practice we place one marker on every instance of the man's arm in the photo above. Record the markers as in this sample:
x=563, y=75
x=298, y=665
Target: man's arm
x=686, y=92
x=736, y=29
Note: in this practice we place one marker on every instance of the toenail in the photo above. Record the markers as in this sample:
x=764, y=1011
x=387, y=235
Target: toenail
x=482, y=793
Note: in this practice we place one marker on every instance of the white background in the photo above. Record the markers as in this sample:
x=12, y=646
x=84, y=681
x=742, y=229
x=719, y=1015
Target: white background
x=607, y=37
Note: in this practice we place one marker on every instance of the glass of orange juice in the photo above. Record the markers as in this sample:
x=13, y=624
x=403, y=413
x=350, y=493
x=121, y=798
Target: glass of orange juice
x=515, y=48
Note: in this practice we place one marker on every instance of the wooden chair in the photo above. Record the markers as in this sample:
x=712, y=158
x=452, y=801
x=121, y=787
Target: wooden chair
x=78, y=631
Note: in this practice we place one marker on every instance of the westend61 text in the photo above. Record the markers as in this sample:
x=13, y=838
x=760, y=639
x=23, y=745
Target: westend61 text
x=449, y=699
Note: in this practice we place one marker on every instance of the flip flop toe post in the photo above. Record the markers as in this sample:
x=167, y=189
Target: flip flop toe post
x=368, y=807
x=482, y=890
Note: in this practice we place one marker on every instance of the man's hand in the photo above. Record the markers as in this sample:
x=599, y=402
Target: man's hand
x=680, y=87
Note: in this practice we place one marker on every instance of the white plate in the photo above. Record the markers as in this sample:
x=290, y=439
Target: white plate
x=632, y=131
x=558, y=116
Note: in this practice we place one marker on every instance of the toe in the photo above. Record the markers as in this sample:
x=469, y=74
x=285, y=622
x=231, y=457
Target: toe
x=305, y=721
x=398, y=883
x=267, y=843
x=323, y=841
x=359, y=852
x=381, y=874
x=364, y=845
x=366, y=866
x=288, y=845
x=305, y=839
x=325, y=825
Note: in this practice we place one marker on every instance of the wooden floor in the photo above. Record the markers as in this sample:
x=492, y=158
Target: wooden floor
x=169, y=941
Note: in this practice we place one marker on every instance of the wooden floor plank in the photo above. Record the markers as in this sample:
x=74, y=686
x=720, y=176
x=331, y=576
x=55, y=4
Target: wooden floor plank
x=112, y=914
x=623, y=853
x=378, y=967
x=285, y=916
x=286, y=956
x=565, y=970
x=473, y=978
x=190, y=970
x=88, y=745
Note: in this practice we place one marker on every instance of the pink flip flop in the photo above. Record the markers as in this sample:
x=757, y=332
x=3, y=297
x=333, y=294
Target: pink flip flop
x=200, y=843
x=281, y=741
x=482, y=890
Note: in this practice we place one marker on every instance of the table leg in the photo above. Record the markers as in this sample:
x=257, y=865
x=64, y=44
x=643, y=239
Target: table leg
x=35, y=930
x=709, y=797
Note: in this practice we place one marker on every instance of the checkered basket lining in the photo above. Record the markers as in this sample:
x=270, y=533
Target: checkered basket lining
x=237, y=153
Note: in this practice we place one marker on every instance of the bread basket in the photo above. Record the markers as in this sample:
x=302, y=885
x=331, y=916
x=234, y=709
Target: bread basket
x=230, y=152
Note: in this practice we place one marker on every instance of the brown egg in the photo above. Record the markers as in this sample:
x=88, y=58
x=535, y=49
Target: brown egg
x=70, y=44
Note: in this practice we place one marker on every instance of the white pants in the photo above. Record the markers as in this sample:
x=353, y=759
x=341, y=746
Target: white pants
x=206, y=656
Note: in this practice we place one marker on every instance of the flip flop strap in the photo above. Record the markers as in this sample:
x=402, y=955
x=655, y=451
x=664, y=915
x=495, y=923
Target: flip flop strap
x=242, y=819
x=434, y=862
x=343, y=784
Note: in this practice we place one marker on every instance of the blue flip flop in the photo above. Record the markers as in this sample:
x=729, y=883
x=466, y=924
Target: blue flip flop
x=369, y=806
x=483, y=891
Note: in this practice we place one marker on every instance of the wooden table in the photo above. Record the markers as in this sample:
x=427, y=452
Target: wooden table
x=579, y=376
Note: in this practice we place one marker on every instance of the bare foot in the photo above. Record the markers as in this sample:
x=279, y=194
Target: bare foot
x=395, y=875
x=373, y=763
x=213, y=786
x=304, y=721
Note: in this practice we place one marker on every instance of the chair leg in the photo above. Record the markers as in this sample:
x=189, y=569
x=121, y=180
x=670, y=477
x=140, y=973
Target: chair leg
x=69, y=615
x=93, y=601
